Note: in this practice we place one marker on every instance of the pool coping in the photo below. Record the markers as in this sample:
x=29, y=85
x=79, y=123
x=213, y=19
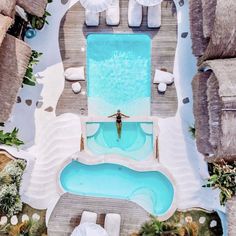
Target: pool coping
x=86, y=159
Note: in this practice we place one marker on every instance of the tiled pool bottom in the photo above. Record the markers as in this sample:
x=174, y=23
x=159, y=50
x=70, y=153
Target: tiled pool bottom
x=119, y=74
x=150, y=189
x=136, y=140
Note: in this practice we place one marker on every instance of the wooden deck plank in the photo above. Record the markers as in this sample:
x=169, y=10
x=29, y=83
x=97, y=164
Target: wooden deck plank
x=67, y=213
x=72, y=38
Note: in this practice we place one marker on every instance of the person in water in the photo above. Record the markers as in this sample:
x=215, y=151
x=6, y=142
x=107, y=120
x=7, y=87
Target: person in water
x=118, y=116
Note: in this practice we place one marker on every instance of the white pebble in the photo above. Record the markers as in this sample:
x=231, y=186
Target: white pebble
x=202, y=219
x=213, y=224
x=14, y=220
x=36, y=216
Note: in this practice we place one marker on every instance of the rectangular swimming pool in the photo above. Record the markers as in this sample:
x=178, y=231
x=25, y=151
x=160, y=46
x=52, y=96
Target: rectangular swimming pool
x=119, y=74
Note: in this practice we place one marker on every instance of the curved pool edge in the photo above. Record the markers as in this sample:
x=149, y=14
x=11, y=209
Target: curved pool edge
x=163, y=170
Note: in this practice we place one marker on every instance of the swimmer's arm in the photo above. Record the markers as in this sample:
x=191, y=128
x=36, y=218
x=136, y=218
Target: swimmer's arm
x=112, y=116
x=124, y=115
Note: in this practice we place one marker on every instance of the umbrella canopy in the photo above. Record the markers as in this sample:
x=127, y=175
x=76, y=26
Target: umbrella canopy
x=96, y=5
x=149, y=3
x=89, y=229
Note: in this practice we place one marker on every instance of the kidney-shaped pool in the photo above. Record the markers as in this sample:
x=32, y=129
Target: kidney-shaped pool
x=150, y=189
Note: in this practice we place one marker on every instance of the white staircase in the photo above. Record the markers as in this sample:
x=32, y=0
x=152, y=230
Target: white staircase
x=178, y=154
x=58, y=141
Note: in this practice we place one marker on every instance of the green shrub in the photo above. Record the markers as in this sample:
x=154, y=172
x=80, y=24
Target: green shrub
x=29, y=77
x=10, y=138
x=223, y=177
x=10, y=202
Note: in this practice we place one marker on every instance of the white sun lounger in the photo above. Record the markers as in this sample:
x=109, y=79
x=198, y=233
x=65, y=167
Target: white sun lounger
x=88, y=217
x=113, y=13
x=135, y=13
x=91, y=18
x=154, y=16
x=112, y=224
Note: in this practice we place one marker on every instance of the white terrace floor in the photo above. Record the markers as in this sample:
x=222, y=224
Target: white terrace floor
x=55, y=139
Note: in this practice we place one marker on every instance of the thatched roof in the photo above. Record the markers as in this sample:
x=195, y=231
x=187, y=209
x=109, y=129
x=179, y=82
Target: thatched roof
x=208, y=11
x=5, y=22
x=34, y=7
x=199, y=43
x=14, y=59
x=231, y=216
x=200, y=105
x=215, y=108
x=7, y=7
x=222, y=42
x=213, y=28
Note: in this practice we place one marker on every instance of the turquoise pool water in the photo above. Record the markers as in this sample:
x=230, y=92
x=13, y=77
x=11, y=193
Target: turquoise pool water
x=119, y=74
x=136, y=140
x=151, y=190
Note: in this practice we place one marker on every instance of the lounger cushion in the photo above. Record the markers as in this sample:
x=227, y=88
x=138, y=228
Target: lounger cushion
x=74, y=73
x=163, y=77
x=113, y=13
x=91, y=18
x=112, y=224
x=88, y=217
x=135, y=12
x=162, y=87
x=154, y=16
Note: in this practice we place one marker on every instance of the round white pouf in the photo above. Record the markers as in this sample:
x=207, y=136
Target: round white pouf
x=213, y=224
x=3, y=220
x=24, y=218
x=76, y=87
x=162, y=87
x=14, y=220
x=202, y=219
x=36, y=216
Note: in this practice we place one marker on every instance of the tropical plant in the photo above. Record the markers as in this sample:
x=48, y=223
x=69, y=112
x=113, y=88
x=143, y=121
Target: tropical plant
x=10, y=138
x=188, y=229
x=223, y=178
x=15, y=170
x=154, y=227
x=5, y=178
x=39, y=22
x=10, y=202
x=192, y=131
x=29, y=77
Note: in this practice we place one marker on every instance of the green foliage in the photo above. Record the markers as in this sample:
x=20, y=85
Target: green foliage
x=223, y=177
x=10, y=138
x=10, y=202
x=29, y=77
x=10, y=178
x=154, y=227
x=192, y=131
x=38, y=22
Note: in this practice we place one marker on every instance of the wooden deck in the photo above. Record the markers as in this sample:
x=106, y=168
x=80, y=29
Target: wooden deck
x=72, y=38
x=67, y=213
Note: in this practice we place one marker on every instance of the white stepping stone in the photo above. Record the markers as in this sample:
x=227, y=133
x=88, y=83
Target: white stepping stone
x=213, y=223
x=202, y=219
x=36, y=216
x=14, y=220
x=76, y=87
x=162, y=87
x=74, y=73
x=24, y=218
x=3, y=220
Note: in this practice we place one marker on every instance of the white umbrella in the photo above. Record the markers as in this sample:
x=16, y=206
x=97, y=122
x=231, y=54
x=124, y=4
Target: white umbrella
x=149, y=3
x=89, y=229
x=96, y=5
